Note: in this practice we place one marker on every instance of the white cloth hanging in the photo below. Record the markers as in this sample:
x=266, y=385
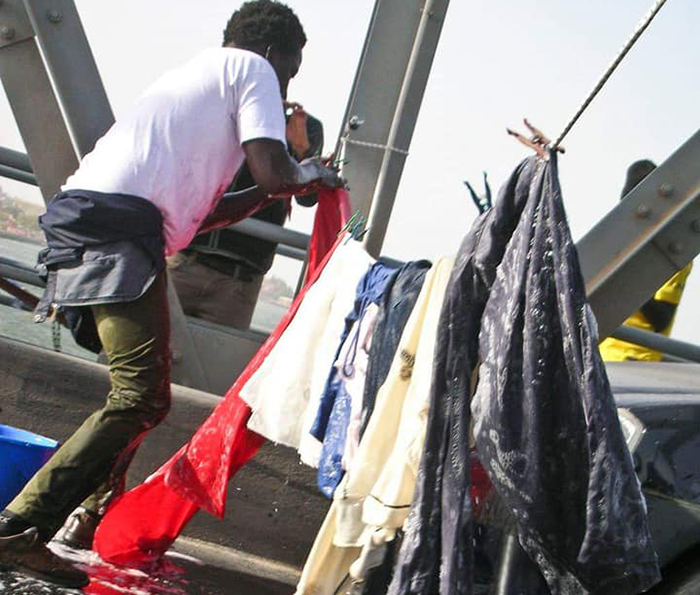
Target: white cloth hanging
x=284, y=392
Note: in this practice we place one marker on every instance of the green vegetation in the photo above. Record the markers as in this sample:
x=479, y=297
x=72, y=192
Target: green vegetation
x=19, y=218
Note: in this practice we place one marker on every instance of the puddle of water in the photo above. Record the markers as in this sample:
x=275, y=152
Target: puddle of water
x=176, y=574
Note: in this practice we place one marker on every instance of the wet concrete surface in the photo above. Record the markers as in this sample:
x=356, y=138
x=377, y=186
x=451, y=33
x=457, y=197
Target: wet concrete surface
x=176, y=574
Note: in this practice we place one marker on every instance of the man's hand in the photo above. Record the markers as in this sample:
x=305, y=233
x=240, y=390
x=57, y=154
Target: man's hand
x=314, y=173
x=328, y=175
x=277, y=174
x=297, y=136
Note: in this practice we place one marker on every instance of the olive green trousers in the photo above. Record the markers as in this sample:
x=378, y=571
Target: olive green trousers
x=92, y=463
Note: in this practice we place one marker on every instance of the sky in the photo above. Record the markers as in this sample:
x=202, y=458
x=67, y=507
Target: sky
x=497, y=61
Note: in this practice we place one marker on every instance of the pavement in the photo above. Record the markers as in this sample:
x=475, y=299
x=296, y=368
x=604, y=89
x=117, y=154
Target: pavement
x=175, y=574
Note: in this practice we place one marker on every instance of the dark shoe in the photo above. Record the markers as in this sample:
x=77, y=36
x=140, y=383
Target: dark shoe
x=12, y=524
x=24, y=553
x=79, y=529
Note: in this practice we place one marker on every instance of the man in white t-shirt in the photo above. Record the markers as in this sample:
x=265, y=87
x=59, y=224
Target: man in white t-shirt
x=151, y=183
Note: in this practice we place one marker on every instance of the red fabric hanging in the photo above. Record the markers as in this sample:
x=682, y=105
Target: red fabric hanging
x=141, y=525
x=332, y=214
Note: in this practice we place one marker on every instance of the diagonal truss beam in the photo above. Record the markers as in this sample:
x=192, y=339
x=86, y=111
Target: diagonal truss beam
x=645, y=240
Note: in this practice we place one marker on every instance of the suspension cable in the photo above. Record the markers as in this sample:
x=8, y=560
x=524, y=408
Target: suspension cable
x=645, y=22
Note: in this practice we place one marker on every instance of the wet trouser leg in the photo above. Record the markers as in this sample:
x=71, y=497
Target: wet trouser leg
x=136, y=339
x=104, y=495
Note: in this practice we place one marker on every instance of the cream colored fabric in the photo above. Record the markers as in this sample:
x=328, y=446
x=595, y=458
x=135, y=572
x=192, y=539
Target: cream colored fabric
x=385, y=465
x=391, y=496
x=284, y=392
x=355, y=381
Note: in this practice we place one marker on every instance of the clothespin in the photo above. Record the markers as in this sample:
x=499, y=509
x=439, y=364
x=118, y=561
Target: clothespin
x=358, y=230
x=483, y=203
x=355, y=227
x=538, y=141
x=350, y=222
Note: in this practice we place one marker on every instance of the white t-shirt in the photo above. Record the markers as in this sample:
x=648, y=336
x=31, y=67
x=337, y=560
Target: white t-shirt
x=181, y=145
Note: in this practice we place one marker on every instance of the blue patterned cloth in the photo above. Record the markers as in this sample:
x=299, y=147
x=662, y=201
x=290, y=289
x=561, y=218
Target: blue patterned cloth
x=331, y=424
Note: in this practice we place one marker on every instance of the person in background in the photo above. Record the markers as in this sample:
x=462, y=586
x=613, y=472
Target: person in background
x=152, y=182
x=219, y=275
x=658, y=312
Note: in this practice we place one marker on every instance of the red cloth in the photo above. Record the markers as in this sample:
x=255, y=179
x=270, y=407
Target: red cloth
x=331, y=215
x=142, y=524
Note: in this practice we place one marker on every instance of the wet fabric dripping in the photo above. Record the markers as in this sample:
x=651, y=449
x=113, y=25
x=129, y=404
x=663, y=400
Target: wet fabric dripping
x=544, y=419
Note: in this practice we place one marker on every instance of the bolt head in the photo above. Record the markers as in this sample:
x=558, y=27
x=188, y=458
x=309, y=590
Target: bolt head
x=7, y=33
x=695, y=226
x=54, y=16
x=675, y=247
x=665, y=190
x=643, y=212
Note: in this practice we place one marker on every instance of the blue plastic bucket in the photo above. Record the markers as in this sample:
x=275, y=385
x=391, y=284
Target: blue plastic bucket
x=21, y=455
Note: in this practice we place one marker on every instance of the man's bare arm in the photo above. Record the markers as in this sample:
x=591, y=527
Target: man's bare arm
x=278, y=174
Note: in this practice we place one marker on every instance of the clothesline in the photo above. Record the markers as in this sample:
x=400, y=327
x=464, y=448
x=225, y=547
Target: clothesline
x=371, y=378
x=639, y=30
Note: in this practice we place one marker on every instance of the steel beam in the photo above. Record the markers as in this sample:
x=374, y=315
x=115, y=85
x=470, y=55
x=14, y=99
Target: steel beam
x=380, y=83
x=35, y=108
x=404, y=122
x=75, y=77
x=649, y=236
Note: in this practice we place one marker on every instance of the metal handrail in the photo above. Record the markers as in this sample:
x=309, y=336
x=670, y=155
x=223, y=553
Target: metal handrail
x=17, y=174
x=16, y=165
x=16, y=160
x=272, y=233
x=18, y=271
x=657, y=342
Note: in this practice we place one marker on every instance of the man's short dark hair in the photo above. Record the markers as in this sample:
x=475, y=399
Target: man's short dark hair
x=261, y=23
x=635, y=174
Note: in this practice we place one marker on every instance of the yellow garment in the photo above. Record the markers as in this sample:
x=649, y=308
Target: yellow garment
x=614, y=350
x=387, y=459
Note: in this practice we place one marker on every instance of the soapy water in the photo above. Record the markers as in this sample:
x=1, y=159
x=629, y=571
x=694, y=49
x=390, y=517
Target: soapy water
x=174, y=574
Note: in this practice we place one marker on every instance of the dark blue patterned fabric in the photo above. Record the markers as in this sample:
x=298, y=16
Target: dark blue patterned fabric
x=545, y=422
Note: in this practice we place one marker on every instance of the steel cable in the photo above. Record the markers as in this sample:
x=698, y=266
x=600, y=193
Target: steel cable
x=641, y=27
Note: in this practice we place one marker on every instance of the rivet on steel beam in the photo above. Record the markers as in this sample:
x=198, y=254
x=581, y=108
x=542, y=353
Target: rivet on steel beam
x=695, y=225
x=675, y=247
x=643, y=212
x=354, y=123
x=7, y=33
x=54, y=16
x=665, y=190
